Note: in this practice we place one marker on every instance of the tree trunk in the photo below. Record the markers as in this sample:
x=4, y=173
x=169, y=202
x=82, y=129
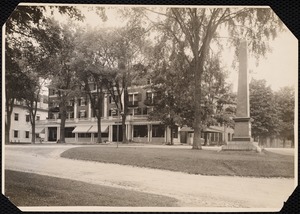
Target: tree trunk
x=7, y=131
x=33, y=131
x=9, y=109
x=124, y=128
x=99, y=138
x=171, y=135
x=63, y=118
x=197, y=115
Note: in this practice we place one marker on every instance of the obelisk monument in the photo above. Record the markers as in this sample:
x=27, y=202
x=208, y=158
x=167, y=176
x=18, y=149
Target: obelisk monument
x=242, y=132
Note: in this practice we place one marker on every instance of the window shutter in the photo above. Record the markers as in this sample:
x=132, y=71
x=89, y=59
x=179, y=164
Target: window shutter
x=139, y=97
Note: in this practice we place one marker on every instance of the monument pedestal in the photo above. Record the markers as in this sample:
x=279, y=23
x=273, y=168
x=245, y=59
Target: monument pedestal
x=242, y=139
x=241, y=146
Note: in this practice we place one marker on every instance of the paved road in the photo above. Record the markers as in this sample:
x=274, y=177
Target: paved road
x=190, y=190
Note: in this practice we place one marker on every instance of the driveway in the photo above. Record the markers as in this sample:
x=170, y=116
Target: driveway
x=196, y=191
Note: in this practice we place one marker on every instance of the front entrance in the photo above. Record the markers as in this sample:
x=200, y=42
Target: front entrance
x=52, y=133
x=117, y=133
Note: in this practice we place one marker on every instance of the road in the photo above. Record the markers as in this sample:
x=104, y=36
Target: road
x=195, y=191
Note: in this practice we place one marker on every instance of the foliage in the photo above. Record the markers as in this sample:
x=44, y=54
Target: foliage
x=194, y=30
x=285, y=100
x=263, y=110
x=23, y=31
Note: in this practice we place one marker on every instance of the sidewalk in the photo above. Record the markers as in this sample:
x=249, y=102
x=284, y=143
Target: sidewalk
x=190, y=190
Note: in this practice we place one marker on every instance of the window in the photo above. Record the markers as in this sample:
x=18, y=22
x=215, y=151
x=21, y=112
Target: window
x=16, y=133
x=16, y=117
x=149, y=96
x=83, y=102
x=140, y=131
x=133, y=99
x=68, y=132
x=27, y=118
x=145, y=112
x=38, y=117
x=175, y=132
x=26, y=134
x=84, y=135
x=158, y=131
x=82, y=114
x=149, y=81
x=113, y=112
x=137, y=111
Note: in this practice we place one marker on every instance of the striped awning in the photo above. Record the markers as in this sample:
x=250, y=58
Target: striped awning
x=81, y=129
x=39, y=130
x=94, y=129
x=212, y=129
x=186, y=129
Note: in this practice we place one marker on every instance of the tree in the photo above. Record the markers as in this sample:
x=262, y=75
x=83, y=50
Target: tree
x=263, y=111
x=118, y=53
x=14, y=82
x=89, y=68
x=285, y=102
x=59, y=45
x=198, y=28
x=22, y=28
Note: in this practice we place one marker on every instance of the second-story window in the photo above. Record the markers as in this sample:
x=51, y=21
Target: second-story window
x=82, y=114
x=38, y=117
x=83, y=102
x=149, y=96
x=27, y=118
x=16, y=117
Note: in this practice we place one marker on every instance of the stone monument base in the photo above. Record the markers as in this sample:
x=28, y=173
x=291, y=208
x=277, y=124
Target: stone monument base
x=241, y=146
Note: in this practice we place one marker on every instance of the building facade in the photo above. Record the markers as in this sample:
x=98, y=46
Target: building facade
x=20, y=129
x=81, y=124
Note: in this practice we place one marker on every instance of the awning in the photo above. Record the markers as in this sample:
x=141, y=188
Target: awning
x=186, y=129
x=212, y=130
x=94, y=129
x=207, y=130
x=81, y=129
x=39, y=130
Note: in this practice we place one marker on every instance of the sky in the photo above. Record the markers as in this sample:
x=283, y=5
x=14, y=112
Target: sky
x=279, y=68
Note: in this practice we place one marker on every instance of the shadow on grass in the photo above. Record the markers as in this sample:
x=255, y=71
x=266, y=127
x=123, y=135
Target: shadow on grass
x=27, y=189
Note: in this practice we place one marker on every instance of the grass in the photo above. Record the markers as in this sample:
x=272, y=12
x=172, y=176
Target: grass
x=204, y=162
x=27, y=189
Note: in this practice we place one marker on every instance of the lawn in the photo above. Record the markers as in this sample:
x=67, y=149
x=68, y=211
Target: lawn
x=204, y=162
x=27, y=189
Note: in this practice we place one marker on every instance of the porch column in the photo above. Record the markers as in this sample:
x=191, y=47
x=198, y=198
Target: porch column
x=46, y=134
x=149, y=132
x=75, y=108
x=105, y=105
x=90, y=109
x=110, y=130
x=76, y=137
x=127, y=132
x=58, y=133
